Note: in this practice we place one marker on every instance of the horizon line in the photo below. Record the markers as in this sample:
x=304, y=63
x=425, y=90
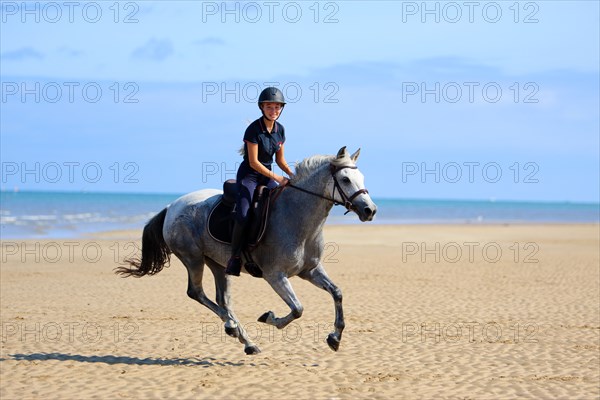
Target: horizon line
x=489, y=200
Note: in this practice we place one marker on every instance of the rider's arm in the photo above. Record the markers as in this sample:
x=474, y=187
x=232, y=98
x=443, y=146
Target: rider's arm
x=258, y=167
x=280, y=159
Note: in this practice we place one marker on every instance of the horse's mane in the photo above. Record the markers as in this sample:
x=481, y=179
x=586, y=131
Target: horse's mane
x=310, y=165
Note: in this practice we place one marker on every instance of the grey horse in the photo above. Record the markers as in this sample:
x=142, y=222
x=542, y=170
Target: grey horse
x=292, y=244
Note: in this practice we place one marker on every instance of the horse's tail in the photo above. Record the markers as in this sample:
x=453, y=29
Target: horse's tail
x=155, y=252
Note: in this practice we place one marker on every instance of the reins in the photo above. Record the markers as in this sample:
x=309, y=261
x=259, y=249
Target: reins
x=336, y=185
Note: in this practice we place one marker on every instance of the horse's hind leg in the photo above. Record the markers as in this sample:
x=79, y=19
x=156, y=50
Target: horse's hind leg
x=232, y=326
x=319, y=278
x=195, y=268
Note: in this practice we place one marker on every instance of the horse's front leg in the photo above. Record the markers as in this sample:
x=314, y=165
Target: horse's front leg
x=283, y=288
x=319, y=278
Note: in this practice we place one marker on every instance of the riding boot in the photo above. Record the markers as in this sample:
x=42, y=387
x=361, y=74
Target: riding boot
x=234, y=265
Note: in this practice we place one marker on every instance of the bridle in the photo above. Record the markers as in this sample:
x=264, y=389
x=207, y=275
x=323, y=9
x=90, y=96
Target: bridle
x=347, y=200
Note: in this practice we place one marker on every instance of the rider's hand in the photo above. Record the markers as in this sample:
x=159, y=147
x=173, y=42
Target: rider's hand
x=282, y=181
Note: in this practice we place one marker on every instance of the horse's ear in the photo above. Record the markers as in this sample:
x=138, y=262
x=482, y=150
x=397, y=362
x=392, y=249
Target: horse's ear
x=354, y=156
x=342, y=153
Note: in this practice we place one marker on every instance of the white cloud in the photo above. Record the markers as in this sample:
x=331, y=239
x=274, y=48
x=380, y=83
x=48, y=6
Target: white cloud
x=21, y=54
x=64, y=50
x=154, y=49
x=210, y=41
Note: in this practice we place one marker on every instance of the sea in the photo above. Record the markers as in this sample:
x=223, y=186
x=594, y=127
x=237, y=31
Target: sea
x=45, y=215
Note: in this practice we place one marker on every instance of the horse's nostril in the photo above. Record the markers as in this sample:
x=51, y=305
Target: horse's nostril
x=368, y=212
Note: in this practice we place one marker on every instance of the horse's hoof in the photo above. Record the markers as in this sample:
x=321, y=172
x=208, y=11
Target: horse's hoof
x=265, y=317
x=233, y=332
x=252, y=350
x=333, y=342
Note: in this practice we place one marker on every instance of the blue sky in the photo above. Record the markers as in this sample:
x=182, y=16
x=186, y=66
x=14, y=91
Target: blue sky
x=448, y=100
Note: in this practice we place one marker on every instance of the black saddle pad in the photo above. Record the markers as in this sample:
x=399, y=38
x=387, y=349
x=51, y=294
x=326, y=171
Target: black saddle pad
x=220, y=222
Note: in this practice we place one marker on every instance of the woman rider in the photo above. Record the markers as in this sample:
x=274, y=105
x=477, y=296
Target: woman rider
x=263, y=139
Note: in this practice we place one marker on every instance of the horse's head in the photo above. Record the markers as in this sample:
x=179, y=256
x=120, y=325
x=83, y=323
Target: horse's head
x=348, y=185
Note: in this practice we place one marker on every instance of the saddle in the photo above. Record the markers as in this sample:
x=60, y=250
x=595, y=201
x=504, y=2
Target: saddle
x=220, y=220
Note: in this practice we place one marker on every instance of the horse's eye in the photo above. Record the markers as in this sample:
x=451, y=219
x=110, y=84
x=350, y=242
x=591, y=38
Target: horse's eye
x=346, y=179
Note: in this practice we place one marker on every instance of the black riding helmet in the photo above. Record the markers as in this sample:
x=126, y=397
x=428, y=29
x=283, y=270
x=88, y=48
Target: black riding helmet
x=271, y=95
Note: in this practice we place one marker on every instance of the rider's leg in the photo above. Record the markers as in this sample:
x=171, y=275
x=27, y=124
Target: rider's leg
x=234, y=265
x=246, y=186
x=271, y=184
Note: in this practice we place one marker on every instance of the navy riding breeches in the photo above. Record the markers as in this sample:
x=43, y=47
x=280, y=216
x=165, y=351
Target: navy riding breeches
x=247, y=181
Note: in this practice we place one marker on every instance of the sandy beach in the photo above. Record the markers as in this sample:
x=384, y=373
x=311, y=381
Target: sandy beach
x=451, y=311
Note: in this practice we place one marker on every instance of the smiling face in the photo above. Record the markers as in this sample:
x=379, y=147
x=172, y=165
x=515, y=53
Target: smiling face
x=271, y=110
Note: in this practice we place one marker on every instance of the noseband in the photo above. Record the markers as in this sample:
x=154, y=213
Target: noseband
x=347, y=200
